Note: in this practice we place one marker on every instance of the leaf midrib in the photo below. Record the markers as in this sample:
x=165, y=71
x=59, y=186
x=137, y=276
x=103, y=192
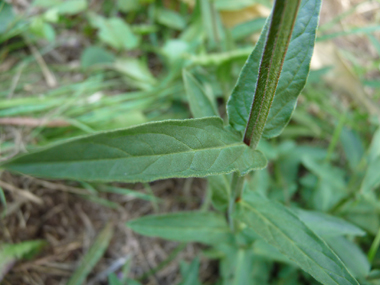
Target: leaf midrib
x=135, y=156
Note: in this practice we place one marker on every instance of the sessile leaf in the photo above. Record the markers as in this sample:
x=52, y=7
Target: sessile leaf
x=158, y=150
x=293, y=76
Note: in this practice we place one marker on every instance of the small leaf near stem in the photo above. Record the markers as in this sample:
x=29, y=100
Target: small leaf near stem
x=282, y=23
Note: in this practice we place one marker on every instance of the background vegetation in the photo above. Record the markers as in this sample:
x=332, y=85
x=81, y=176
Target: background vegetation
x=74, y=67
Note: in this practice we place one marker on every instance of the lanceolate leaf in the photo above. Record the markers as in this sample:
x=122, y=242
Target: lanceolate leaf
x=174, y=148
x=282, y=229
x=283, y=18
x=293, y=77
x=206, y=227
x=200, y=104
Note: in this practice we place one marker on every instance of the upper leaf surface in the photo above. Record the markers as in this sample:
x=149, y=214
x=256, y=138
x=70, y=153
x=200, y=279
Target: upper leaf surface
x=293, y=76
x=174, y=148
x=283, y=230
x=203, y=227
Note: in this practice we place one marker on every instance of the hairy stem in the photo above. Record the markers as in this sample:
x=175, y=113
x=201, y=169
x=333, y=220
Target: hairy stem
x=280, y=31
x=277, y=41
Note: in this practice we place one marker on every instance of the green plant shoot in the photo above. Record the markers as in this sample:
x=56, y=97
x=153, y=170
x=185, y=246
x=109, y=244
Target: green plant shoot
x=260, y=105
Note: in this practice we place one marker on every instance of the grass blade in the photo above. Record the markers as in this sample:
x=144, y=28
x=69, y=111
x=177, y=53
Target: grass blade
x=92, y=256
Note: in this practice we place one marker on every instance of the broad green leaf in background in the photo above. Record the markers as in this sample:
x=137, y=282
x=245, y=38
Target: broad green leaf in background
x=114, y=32
x=94, y=55
x=174, y=51
x=71, y=7
x=281, y=228
x=238, y=4
x=245, y=29
x=330, y=187
x=200, y=103
x=352, y=146
x=65, y=7
x=9, y=253
x=6, y=16
x=327, y=225
x=171, y=19
x=128, y=5
x=93, y=255
x=158, y=150
x=219, y=58
x=40, y=28
x=352, y=256
x=293, y=76
x=205, y=227
x=137, y=72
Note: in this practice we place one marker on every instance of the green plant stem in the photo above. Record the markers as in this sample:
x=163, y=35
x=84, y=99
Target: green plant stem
x=237, y=184
x=280, y=31
x=375, y=245
x=277, y=42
